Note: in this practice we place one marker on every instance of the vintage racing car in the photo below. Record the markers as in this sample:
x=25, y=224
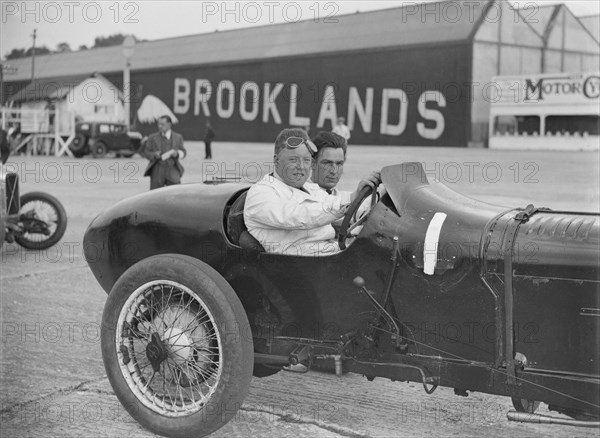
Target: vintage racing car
x=437, y=288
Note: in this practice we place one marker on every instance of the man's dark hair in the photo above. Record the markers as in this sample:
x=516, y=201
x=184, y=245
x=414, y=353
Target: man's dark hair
x=326, y=139
x=167, y=118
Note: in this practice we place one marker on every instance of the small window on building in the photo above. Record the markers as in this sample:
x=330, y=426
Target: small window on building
x=573, y=125
x=517, y=125
x=104, y=109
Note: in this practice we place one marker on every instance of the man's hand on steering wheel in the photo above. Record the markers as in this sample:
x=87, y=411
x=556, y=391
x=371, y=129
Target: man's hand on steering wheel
x=366, y=187
x=373, y=180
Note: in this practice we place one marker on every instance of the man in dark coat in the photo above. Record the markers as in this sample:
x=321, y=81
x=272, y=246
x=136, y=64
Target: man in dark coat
x=4, y=146
x=209, y=134
x=164, y=149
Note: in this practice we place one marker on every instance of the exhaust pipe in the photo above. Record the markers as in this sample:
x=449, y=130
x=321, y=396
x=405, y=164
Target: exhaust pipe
x=524, y=417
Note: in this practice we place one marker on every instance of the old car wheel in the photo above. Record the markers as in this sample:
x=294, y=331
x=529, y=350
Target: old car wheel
x=43, y=220
x=99, y=150
x=78, y=144
x=525, y=405
x=177, y=346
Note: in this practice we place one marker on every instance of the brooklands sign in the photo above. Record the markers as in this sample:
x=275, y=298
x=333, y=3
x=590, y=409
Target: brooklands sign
x=395, y=96
x=280, y=103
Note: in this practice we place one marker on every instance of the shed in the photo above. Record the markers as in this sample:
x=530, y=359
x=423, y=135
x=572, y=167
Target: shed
x=83, y=97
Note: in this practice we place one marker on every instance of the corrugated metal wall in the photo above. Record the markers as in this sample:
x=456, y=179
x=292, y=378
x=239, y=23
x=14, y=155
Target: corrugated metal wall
x=510, y=42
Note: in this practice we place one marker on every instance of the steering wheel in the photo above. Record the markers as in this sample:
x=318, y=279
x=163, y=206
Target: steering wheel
x=346, y=227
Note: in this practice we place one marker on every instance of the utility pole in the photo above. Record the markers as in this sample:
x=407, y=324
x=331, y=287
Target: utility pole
x=128, y=51
x=33, y=55
x=2, y=89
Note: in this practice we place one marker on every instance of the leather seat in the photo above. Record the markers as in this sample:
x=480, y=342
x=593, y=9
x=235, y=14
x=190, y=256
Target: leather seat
x=236, y=228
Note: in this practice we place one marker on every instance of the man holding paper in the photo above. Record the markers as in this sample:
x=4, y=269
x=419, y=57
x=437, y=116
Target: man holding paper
x=164, y=149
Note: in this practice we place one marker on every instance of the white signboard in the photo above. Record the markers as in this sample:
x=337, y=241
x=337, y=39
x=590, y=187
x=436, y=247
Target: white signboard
x=547, y=89
x=34, y=120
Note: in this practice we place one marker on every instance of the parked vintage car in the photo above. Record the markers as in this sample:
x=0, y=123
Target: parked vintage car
x=437, y=288
x=35, y=220
x=99, y=138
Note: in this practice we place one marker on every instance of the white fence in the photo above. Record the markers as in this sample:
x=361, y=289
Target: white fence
x=41, y=131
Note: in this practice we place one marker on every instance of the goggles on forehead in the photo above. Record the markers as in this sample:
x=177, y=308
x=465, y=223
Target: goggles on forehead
x=295, y=142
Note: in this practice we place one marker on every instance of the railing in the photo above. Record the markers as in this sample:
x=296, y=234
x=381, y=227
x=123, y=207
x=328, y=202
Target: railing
x=42, y=131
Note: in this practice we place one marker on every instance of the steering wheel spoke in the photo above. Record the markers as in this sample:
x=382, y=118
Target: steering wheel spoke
x=359, y=222
x=346, y=227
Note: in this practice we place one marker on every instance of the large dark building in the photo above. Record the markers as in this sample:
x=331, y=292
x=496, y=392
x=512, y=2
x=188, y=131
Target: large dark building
x=416, y=75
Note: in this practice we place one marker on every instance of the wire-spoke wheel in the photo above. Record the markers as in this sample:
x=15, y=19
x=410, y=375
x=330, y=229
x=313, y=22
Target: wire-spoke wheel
x=43, y=221
x=177, y=346
x=169, y=348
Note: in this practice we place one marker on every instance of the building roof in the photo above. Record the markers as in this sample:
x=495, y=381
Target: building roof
x=409, y=25
x=592, y=24
x=544, y=14
x=52, y=88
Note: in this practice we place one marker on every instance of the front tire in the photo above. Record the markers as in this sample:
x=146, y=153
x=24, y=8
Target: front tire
x=43, y=220
x=177, y=346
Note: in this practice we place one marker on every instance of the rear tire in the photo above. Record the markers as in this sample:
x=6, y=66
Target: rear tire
x=181, y=313
x=99, y=150
x=78, y=144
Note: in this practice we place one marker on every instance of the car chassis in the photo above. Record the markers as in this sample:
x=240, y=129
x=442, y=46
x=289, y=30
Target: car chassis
x=525, y=281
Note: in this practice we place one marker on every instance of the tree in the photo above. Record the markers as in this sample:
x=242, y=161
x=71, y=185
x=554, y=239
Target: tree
x=63, y=47
x=111, y=40
x=25, y=53
x=101, y=41
x=42, y=50
x=16, y=54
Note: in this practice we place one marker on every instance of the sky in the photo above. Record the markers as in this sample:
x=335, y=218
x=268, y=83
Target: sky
x=79, y=22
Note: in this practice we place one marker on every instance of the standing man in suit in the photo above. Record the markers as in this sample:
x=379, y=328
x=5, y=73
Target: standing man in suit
x=209, y=134
x=164, y=149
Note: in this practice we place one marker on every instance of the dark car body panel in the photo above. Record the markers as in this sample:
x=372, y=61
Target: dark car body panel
x=184, y=219
x=464, y=324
